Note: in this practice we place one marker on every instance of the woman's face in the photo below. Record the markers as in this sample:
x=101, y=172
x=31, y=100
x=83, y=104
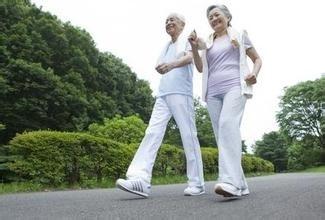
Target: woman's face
x=173, y=26
x=218, y=20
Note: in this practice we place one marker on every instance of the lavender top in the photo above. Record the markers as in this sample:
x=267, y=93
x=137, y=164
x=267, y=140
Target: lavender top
x=223, y=64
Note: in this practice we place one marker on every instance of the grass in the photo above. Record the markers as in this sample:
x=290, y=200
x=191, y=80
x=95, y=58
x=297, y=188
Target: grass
x=6, y=188
x=320, y=169
x=17, y=187
x=20, y=187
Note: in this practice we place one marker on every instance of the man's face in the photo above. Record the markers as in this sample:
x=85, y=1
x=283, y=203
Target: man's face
x=173, y=26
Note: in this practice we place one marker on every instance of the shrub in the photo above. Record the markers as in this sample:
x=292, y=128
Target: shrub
x=57, y=157
x=170, y=161
x=210, y=160
x=125, y=130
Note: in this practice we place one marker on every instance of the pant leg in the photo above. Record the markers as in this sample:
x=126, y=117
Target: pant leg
x=229, y=139
x=182, y=108
x=144, y=159
x=214, y=105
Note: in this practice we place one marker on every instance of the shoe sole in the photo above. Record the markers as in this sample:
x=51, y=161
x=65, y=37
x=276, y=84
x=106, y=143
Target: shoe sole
x=191, y=194
x=224, y=193
x=120, y=186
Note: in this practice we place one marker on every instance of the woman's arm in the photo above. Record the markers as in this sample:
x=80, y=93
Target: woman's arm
x=197, y=60
x=194, y=41
x=253, y=55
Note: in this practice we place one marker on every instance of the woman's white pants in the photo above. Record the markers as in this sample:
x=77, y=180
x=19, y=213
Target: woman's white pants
x=226, y=112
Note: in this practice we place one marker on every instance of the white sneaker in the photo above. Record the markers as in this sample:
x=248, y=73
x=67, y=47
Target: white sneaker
x=227, y=190
x=245, y=192
x=194, y=191
x=136, y=186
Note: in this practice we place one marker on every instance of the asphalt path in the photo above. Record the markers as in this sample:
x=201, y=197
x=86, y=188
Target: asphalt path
x=281, y=196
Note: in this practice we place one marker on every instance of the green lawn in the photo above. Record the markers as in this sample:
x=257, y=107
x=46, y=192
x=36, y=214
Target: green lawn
x=92, y=184
x=320, y=169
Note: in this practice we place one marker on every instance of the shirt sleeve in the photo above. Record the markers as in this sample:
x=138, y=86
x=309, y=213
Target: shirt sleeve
x=247, y=42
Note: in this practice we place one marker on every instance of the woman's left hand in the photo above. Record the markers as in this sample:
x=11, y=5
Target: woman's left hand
x=250, y=79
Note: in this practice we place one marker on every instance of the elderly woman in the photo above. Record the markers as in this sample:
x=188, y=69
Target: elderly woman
x=174, y=99
x=227, y=83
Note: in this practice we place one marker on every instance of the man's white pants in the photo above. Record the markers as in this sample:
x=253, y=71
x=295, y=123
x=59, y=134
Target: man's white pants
x=226, y=112
x=181, y=107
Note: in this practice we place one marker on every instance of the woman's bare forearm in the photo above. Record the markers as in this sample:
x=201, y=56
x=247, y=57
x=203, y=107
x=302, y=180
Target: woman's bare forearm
x=197, y=60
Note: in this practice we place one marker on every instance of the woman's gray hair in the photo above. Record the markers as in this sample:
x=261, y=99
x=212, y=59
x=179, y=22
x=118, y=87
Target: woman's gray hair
x=222, y=8
x=178, y=16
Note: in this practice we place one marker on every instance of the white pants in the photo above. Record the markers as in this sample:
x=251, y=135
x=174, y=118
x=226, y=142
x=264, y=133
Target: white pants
x=226, y=112
x=181, y=107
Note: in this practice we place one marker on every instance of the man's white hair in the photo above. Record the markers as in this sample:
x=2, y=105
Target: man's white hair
x=178, y=16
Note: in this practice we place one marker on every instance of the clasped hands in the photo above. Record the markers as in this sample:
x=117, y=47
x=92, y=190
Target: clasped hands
x=164, y=68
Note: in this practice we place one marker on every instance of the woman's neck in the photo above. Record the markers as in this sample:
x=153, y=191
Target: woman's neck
x=220, y=33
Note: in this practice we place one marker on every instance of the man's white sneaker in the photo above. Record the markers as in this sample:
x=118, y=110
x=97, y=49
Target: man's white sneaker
x=227, y=190
x=245, y=192
x=194, y=191
x=136, y=186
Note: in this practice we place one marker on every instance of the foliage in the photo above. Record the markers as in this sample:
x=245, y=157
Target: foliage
x=5, y=174
x=303, y=111
x=210, y=160
x=302, y=155
x=273, y=147
x=121, y=129
x=244, y=147
x=170, y=161
x=318, y=169
x=203, y=124
x=56, y=157
x=302, y=119
x=204, y=127
x=52, y=76
x=2, y=127
x=256, y=164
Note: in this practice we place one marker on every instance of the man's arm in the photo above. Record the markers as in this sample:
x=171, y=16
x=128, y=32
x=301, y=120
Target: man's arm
x=182, y=61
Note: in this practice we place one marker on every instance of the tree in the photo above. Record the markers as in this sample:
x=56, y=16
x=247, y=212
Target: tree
x=273, y=147
x=303, y=111
x=203, y=124
x=2, y=127
x=52, y=76
x=244, y=147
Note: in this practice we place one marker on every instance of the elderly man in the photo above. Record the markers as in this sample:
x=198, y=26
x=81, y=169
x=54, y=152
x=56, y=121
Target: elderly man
x=175, y=99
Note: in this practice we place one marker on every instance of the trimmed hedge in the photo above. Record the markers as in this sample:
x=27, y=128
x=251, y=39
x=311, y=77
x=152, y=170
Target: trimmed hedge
x=171, y=161
x=210, y=160
x=253, y=164
x=61, y=157
x=53, y=158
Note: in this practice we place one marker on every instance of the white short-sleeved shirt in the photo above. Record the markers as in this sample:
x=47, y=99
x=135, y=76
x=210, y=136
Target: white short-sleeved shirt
x=178, y=80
